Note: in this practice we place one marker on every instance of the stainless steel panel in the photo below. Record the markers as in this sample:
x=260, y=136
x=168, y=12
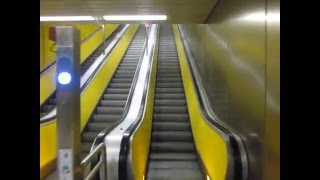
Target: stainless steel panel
x=68, y=102
x=237, y=56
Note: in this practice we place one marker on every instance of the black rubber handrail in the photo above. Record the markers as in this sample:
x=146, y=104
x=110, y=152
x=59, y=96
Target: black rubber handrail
x=235, y=149
x=43, y=71
x=47, y=120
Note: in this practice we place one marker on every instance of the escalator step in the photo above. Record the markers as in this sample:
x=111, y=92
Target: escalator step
x=167, y=102
x=89, y=136
x=106, y=117
x=170, y=96
x=168, y=80
x=120, y=85
x=118, y=90
x=86, y=146
x=169, y=85
x=115, y=96
x=98, y=126
x=121, y=80
x=170, y=109
x=169, y=90
x=173, y=165
x=177, y=75
x=174, y=174
x=172, y=147
x=172, y=156
x=171, y=136
x=171, y=126
x=113, y=103
x=170, y=117
x=109, y=110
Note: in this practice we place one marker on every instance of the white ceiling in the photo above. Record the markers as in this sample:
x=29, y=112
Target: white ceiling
x=178, y=11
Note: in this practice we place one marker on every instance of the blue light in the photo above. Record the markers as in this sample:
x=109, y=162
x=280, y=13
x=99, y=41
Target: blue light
x=64, y=78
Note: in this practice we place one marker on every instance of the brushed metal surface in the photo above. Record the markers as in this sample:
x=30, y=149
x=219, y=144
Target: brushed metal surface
x=237, y=56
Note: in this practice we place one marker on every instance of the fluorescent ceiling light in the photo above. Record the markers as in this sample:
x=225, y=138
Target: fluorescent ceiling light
x=66, y=18
x=261, y=16
x=135, y=18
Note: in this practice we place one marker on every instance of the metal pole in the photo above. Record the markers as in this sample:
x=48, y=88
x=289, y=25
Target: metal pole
x=68, y=102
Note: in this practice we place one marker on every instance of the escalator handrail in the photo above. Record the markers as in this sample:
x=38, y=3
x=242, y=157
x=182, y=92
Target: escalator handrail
x=43, y=71
x=237, y=151
x=126, y=138
x=45, y=120
x=99, y=139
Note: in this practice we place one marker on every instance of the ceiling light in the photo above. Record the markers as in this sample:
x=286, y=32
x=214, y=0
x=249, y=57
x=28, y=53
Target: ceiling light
x=66, y=18
x=135, y=18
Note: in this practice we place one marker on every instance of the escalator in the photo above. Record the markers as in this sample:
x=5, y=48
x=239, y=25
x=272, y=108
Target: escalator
x=113, y=100
x=172, y=153
x=111, y=106
x=50, y=103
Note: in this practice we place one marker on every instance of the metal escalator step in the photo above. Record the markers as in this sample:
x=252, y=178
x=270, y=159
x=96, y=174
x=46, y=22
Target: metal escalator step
x=121, y=80
x=169, y=102
x=125, y=71
x=115, y=96
x=174, y=174
x=171, y=126
x=89, y=136
x=86, y=146
x=169, y=85
x=120, y=85
x=170, y=109
x=46, y=108
x=172, y=156
x=110, y=110
x=168, y=71
x=170, y=96
x=106, y=117
x=168, y=80
x=98, y=126
x=173, y=165
x=53, y=101
x=170, y=117
x=169, y=90
x=177, y=75
x=171, y=136
x=118, y=90
x=113, y=103
x=121, y=75
x=172, y=147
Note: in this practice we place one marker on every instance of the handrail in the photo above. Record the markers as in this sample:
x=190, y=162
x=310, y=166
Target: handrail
x=43, y=71
x=48, y=118
x=99, y=139
x=238, y=152
x=125, y=145
x=100, y=166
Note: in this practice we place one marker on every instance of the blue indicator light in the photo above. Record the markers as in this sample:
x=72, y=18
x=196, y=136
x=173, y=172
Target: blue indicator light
x=64, y=78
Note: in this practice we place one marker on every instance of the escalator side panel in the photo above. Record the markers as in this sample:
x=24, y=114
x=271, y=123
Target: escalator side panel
x=141, y=138
x=88, y=103
x=91, y=95
x=47, y=84
x=213, y=153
